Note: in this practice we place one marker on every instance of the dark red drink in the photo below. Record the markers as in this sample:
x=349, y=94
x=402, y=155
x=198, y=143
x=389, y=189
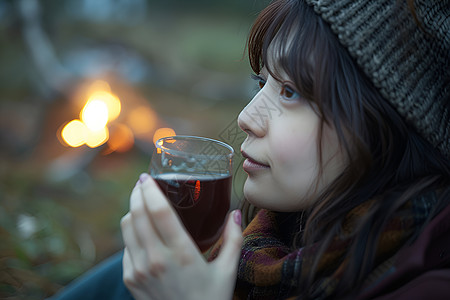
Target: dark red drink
x=202, y=202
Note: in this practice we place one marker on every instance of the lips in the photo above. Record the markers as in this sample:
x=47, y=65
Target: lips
x=251, y=164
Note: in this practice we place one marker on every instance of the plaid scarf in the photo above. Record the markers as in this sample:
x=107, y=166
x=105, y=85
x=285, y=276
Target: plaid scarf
x=270, y=269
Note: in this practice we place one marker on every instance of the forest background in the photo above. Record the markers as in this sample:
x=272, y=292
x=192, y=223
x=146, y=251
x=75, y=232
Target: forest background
x=168, y=66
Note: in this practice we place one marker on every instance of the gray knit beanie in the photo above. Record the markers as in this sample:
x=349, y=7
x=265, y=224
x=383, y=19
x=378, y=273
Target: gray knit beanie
x=406, y=56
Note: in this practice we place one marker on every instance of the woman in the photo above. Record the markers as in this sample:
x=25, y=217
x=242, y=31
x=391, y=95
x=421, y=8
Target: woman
x=351, y=179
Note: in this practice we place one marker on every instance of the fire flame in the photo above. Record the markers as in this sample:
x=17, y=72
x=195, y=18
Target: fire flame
x=91, y=129
x=95, y=125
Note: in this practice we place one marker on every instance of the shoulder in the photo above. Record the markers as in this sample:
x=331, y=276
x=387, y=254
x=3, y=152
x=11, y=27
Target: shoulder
x=421, y=270
x=429, y=285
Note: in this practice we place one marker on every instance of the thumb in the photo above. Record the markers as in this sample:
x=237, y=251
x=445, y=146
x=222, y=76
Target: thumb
x=232, y=242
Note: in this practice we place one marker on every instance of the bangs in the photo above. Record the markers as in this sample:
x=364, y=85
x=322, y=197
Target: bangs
x=282, y=39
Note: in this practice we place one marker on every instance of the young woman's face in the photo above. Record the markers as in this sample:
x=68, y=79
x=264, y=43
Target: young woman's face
x=281, y=147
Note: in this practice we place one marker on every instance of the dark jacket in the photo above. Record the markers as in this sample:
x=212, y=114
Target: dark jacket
x=419, y=271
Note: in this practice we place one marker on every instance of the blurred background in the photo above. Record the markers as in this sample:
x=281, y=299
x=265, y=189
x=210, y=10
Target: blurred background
x=86, y=86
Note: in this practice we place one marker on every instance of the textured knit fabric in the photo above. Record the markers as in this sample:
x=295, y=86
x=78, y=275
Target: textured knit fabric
x=407, y=62
x=270, y=269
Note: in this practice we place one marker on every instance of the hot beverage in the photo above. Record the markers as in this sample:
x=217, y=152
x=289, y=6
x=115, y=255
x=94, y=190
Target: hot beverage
x=201, y=200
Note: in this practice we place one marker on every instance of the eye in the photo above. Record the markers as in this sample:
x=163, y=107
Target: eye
x=289, y=93
x=259, y=80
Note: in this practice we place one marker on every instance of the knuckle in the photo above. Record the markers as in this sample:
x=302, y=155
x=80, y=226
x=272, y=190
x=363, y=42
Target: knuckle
x=129, y=281
x=157, y=268
x=139, y=276
x=135, y=277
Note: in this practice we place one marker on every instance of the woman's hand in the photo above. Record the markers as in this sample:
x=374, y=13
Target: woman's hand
x=160, y=259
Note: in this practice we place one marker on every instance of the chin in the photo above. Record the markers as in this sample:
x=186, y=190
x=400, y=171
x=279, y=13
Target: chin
x=260, y=200
x=254, y=199
x=262, y=203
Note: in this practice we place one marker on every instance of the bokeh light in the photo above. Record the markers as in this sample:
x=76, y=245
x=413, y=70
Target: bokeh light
x=97, y=138
x=121, y=139
x=95, y=114
x=142, y=120
x=74, y=133
x=101, y=108
x=162, y=133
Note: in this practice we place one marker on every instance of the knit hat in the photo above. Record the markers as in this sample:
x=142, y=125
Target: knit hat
x=404, y=52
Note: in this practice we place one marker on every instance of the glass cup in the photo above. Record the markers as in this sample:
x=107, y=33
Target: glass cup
x=195, y=174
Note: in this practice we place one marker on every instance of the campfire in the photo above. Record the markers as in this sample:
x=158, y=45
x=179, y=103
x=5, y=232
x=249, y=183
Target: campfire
x=102, y=121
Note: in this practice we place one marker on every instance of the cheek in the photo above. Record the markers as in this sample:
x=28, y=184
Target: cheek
x=295, y=146
x=295, y=162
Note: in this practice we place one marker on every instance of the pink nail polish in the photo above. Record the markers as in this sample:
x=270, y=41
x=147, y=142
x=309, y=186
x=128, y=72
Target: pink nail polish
x=143, y=177
x=237, y=216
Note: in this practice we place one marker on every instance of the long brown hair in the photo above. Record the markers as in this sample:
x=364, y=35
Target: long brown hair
x=388, y=160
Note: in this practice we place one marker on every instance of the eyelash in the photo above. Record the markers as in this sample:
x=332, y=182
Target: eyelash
x=289, y=93
x=292, y=94
x=259, y=80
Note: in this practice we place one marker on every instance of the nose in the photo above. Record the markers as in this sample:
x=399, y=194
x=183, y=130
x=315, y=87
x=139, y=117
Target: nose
x=254, y=118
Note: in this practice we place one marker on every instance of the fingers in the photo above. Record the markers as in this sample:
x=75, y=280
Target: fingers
x=232, y=242
x=136, y=258
x=163, y=217
x=161, y=260
x=133, y=280
x=128, y=269
x=144, y=244
x=140, y=220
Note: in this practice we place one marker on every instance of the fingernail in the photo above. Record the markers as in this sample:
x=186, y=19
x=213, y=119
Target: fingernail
x=237, y=216
x=143, y=177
